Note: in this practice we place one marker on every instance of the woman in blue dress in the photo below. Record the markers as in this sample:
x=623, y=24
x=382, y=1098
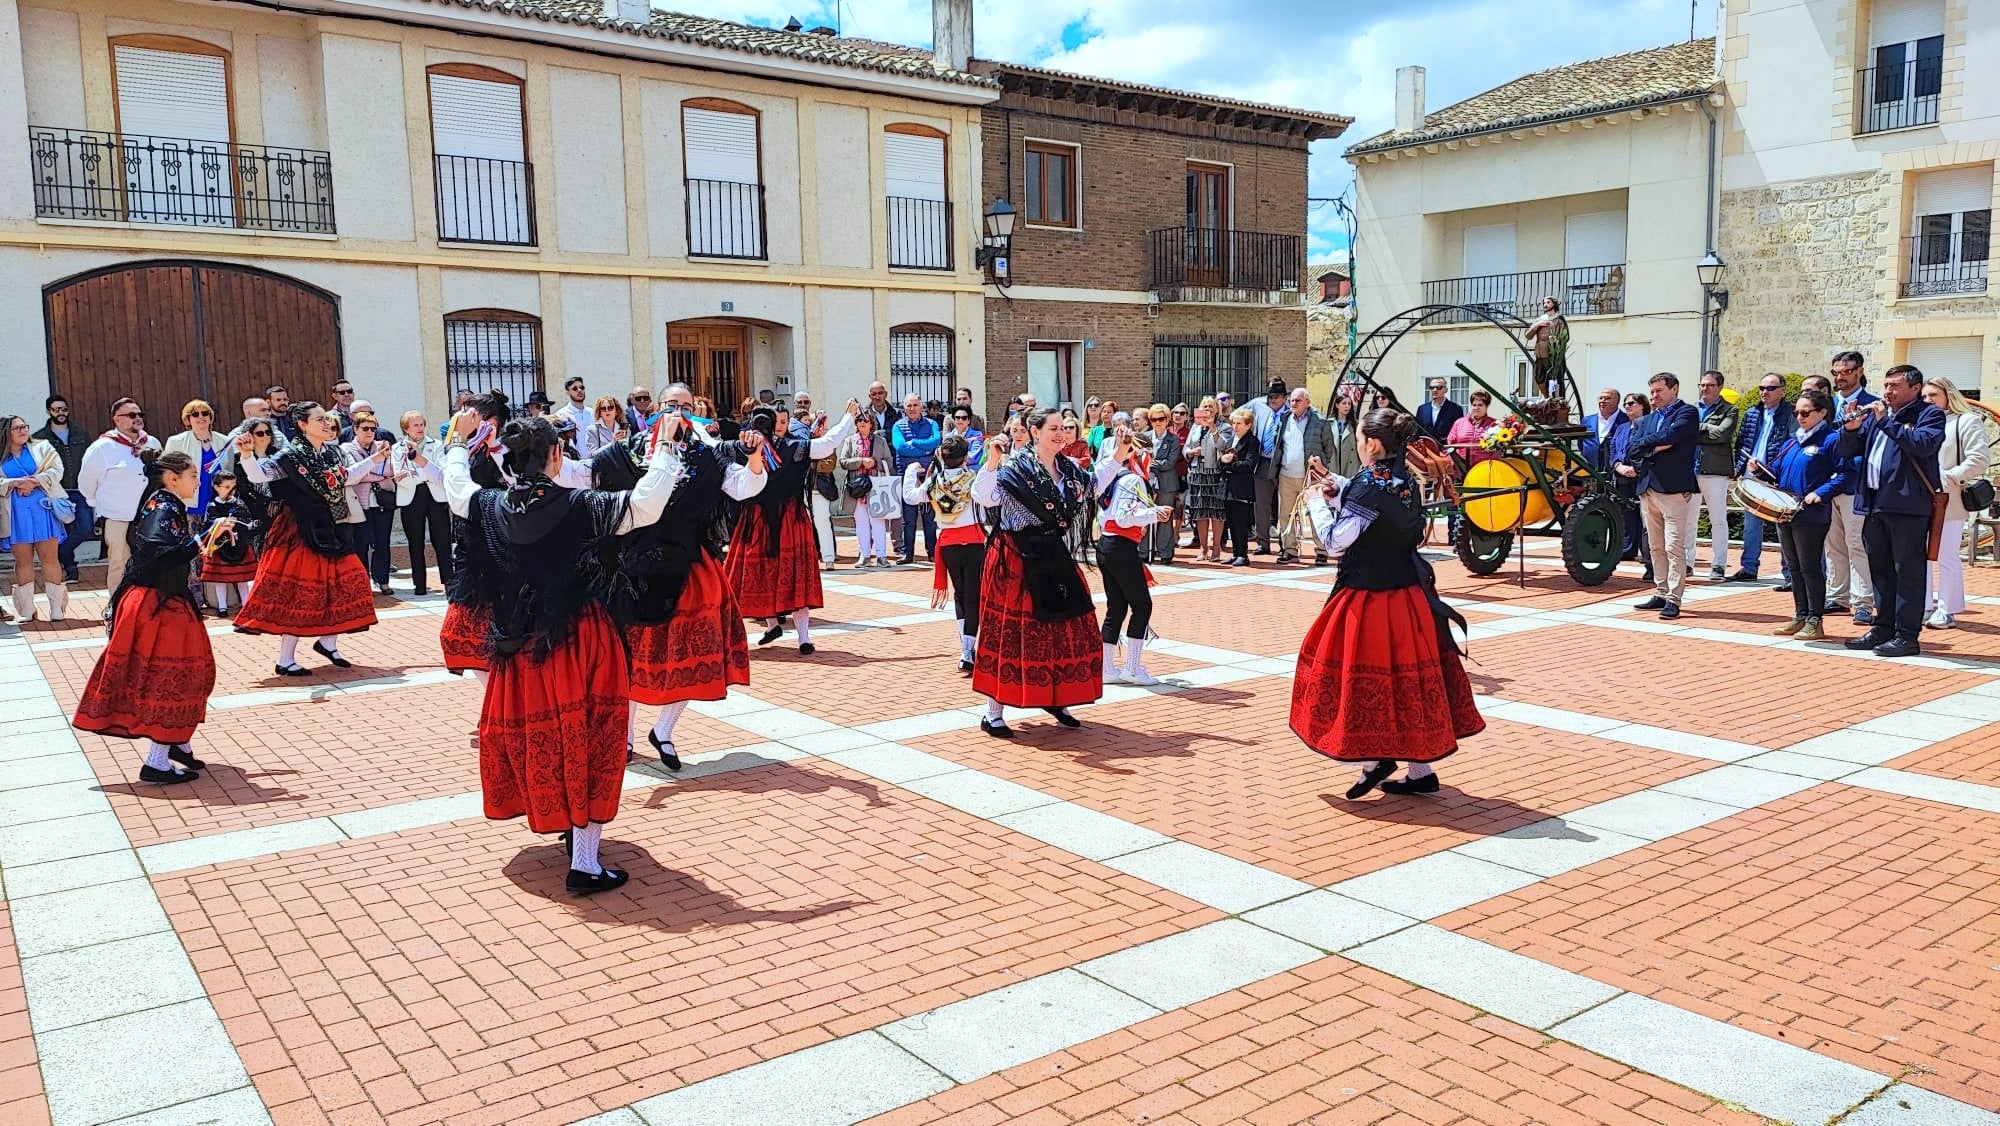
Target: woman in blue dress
x=31, y=474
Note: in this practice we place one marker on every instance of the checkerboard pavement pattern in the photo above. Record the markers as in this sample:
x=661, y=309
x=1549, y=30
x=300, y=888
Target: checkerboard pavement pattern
x=1692, y=872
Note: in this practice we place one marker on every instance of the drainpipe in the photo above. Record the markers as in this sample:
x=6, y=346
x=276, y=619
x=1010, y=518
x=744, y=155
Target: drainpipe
x=1711, y=331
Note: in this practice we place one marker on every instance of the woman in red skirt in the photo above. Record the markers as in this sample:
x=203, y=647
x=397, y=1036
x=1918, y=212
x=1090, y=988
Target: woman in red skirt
x=1379, y=678
x=773, y=564
x=471, y=591
x=552, y=727
x=1038, y=634
x=309, y=581
x=153, y=679
x=683, y=634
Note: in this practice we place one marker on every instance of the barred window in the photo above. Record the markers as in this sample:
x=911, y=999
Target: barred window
x=493, y=349
x=920, y=363
x=1188, y=371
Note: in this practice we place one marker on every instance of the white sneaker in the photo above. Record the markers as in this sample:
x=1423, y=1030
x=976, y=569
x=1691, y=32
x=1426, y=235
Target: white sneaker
x=1139, y=676
x=1941, y=620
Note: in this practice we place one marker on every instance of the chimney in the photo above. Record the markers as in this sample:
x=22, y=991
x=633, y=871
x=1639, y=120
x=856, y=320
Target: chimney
x=631, y=11
x=951, y=33
x=1409, y=99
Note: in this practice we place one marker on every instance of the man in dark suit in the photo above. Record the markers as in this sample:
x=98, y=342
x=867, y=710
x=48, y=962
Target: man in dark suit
x=1661, y=458
x=1603, y=428
x=1763, y=431
x=1896, y=441
x=1436, y=414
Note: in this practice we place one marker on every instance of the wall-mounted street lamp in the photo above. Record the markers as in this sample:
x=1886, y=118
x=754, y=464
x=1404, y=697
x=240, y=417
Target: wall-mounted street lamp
x=1715, y=300
x=996, y=245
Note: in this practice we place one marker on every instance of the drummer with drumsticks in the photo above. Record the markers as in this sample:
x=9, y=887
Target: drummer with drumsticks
x=1810, y=472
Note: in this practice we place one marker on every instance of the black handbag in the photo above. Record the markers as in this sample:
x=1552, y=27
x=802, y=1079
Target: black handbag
x=1977, y=495
x=859, y=485
x=824, y=485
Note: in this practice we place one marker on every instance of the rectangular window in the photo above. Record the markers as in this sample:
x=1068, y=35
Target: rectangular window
x=1905, y=72
x=1951, y=218
x=485, y=189
x=488, y=353
x=919, y=218
x=1052, y=374
x=1050, y=188
x=920, y=365
x=725, y=193
x=173, y=118
x=1186, y=372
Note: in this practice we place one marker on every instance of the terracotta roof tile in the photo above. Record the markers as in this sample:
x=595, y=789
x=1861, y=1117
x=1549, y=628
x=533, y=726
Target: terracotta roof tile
x=1662, y=74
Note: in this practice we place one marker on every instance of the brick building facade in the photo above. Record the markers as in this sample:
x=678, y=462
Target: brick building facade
x=1159, y=252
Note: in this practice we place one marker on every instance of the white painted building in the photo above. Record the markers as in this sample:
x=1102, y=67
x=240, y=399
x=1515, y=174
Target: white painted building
x=427, y=195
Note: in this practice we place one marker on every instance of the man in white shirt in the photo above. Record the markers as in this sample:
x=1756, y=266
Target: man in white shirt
x=113, y=480
x=1302, y=441
x=576, y=410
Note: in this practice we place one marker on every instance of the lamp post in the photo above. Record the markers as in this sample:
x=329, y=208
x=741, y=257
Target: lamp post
x=996, y=243
x=1715, y=300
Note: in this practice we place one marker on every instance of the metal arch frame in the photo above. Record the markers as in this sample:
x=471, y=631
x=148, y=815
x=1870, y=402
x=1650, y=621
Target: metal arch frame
x=1366, y=356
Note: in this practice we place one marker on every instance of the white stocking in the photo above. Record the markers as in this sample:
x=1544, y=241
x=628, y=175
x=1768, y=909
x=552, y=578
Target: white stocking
x=156, y=756
x=288, y=650
x=670, y=714
x=583, y=848
x=995, y=710
x=218, y=595
x=332, y=645
x=802, y=621
x=1368, y=766
x=1419, y=770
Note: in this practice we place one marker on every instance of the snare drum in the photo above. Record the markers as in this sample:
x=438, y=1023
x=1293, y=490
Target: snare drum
x=1766, y=501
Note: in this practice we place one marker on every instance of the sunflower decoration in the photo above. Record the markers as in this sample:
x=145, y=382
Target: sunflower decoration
x=1503, y=436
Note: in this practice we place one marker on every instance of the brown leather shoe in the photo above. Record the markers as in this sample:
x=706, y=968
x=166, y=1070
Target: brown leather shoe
x=1790, y=628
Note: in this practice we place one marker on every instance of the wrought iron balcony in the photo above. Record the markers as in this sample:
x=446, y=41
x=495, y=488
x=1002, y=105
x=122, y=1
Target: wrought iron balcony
x=919, y=233
x=173, y=181
x=1944, y=265
x=483, y=200
x=725, y=219
x=1211, y=264
x=1899, y=97
x=1583, y=291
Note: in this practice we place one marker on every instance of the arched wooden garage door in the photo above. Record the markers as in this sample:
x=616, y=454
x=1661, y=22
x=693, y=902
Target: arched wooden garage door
x=167, y=332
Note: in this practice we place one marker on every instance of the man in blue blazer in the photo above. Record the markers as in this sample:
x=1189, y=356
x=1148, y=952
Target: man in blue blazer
x=1765, y=427
x=1895, y=443
x=1601, y=430
x=1660, y=456
x=1847, y=585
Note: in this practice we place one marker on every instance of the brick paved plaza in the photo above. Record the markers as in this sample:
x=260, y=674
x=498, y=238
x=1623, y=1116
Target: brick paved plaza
x=1691, y=872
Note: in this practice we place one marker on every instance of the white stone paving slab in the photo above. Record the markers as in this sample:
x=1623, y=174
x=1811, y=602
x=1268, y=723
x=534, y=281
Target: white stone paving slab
x=1680, y=742
x=1222, y=882
x=1557, y=719
x=893, y=762
x=37, y=739
x=824, y=742
x=1760, y=640
x=50, y=803
x=65, y=920
x=780, y=723
x=1966, y=705
x=29, y=880
x=977, y=793
x=1328, y=920
x=736, y=703
x=109, y=979
x=409, y=815
x=239, y=844
x=1650, y=815
x=978, y=1036
x=1484, y=976
x=1768, y=1076
x=1949, y=791
x=917, y=726
x=39, y=707
x=1904, y=1105
x=60, y=840
x=1741, y=786
x=1551, y=847
x=1918, y=724
x=1803, y=766
x=1210, y=960
x=1435, y=885
x=832, y=1084
x=240, y=1107
x=1085, y=832
x=46, y=770
x=92, y=1074
x=623, y=1116
x=1868, y=748
x=12, y=691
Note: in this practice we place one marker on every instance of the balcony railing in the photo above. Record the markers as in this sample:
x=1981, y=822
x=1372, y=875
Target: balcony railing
x=173, y=181
x=725, y=219
x=1899, y=97
x=919, y=233
x=483, y=200
x=1583, y=291
x=1208, y=258
x=1945, y=265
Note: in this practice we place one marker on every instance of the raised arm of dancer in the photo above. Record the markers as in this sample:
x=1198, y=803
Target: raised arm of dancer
x=1101, y=473
x=739, y=482
x=574, y=474
x=650, y=496
x=827, y=443
x=1336, y=529
x=459, y=487
x=261, y=470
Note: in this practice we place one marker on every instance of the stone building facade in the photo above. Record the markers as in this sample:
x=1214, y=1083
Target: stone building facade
x=1803, y=260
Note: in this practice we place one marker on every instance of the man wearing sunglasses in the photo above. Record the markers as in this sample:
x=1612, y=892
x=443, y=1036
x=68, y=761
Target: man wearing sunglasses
x=638, y=409
x=113, y=480
x=69, y=444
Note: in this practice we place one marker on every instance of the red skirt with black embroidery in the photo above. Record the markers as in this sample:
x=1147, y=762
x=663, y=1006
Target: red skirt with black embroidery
x=1374, y=681
x=215, y=570
x=696, y=654
x=463, y=636
x=552, y=731
x=773, y=585
x=153, y=679
x=1024, y=662
x=303, y=593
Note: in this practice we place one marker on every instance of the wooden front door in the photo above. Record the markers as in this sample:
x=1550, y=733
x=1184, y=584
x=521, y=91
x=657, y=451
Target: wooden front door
x=167, y=332
x=1207, y=224
x=712, y=359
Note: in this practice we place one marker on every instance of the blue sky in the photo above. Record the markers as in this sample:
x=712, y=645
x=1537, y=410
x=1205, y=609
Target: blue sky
x=1335, y=55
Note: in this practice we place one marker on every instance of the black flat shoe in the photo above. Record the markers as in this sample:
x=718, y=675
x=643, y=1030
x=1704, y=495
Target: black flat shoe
x=1428, y=784
x=772, y=634
x=166, y=777
x=1063, y=717
x=1868, y=640
x=964, y=666
x=1899, y=647
x=668, y=758
x=290, y=670
x=585, y=883
x=332, y=658
x=807, y=649
x=1653, y=603
x=1374, y=777
x=1784, y=587
x=997, y=728
x=185, y=757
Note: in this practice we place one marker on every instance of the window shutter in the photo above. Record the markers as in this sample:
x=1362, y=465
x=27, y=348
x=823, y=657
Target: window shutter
x=172, y=94
x=720, y=145
x=474, y=117
x=1489, y=250
x=1904, y=21
x=1954, y=357
x=1596, y=239
x=913, y=166
x=1954, y=190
